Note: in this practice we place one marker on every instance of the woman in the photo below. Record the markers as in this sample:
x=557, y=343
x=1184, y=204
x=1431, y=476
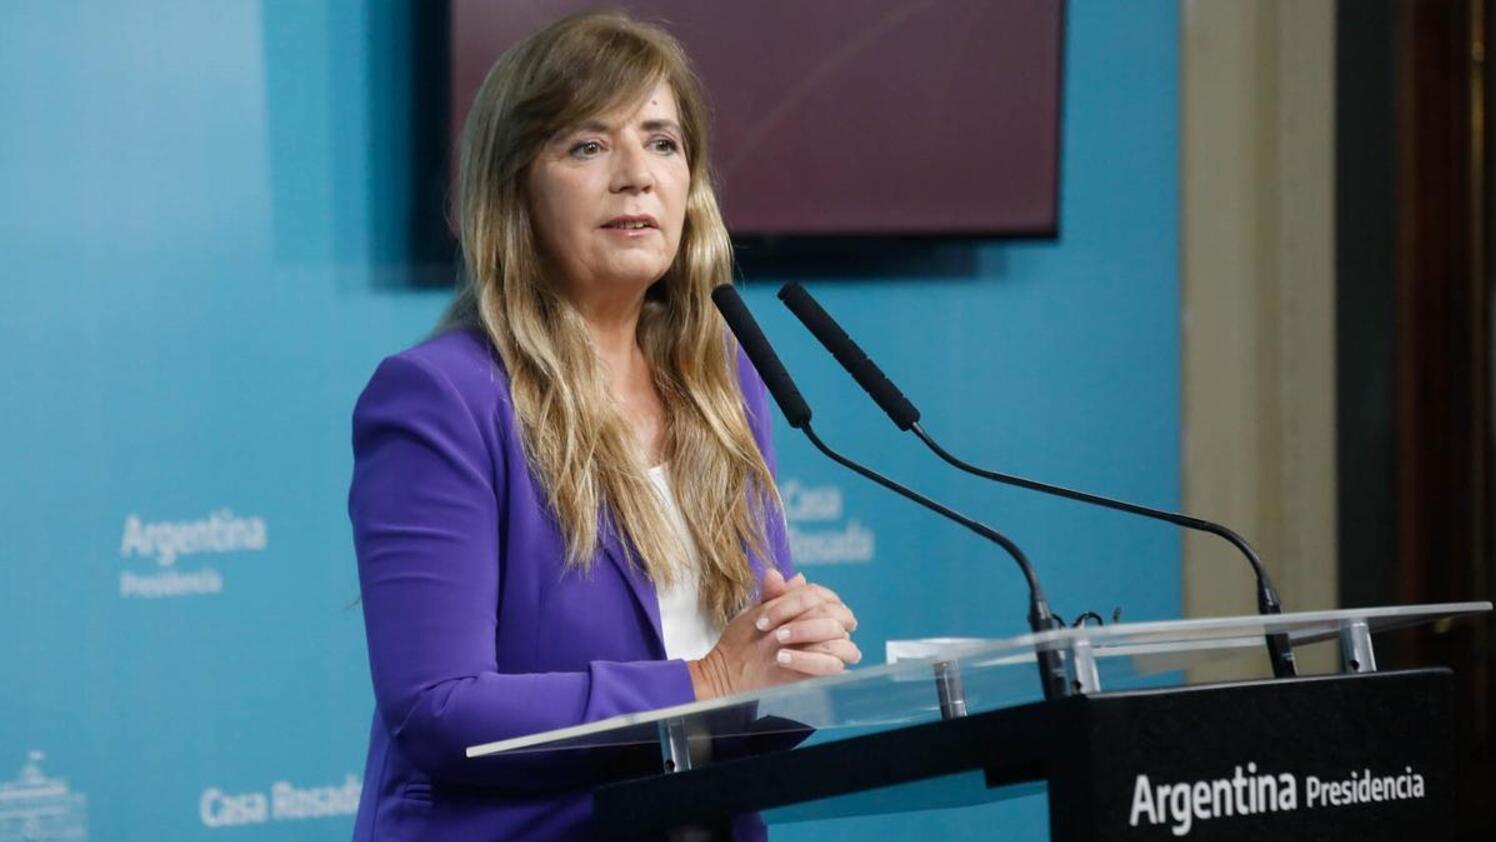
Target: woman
x=563, y=504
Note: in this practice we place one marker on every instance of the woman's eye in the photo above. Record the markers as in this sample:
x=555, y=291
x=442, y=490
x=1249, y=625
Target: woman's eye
x=665, y=145
x=586, y=149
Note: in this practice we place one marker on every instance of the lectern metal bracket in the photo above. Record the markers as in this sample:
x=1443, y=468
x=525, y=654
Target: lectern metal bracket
x=675, y=748
x=949, y=690
x=1356, y=654
x=1080, y=665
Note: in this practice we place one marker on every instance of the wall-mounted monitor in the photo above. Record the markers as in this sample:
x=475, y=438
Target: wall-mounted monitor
x=854, y=117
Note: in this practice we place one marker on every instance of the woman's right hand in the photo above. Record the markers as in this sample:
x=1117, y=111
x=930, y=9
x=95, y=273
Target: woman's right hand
x=798, y=631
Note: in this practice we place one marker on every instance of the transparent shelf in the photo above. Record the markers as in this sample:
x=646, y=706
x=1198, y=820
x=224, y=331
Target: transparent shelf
x=993, y=674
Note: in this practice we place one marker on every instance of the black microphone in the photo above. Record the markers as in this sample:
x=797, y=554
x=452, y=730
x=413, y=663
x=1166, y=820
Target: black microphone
x=761, y=354
x=906, y=417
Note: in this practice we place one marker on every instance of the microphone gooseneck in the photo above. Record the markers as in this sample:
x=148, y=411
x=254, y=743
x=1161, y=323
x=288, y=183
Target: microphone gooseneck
x=1041, y=607
x=797, y=412
x=903, y=413
x=1280, y=649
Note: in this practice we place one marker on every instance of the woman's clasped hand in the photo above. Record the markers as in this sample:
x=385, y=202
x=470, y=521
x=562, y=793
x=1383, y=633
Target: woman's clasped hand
x=797, y=630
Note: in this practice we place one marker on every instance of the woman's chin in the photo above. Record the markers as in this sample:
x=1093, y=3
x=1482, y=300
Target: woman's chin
x=633, y=274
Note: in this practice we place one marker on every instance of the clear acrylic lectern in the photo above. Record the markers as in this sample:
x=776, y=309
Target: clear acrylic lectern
x=1135, y=751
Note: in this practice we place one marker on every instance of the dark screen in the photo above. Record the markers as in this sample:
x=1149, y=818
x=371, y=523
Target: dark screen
x=850, y=117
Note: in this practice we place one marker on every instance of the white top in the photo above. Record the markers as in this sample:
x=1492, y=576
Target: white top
x=688, y=631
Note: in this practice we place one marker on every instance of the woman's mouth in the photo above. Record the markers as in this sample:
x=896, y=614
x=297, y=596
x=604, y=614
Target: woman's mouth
x=632, y=223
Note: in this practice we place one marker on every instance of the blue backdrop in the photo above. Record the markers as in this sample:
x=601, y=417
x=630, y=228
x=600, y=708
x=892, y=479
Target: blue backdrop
x=202, y=227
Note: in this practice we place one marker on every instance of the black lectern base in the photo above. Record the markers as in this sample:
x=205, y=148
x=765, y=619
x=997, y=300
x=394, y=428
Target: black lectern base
x=1353, y=757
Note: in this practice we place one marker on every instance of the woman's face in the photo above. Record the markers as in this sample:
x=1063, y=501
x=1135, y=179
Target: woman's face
x=608, y=200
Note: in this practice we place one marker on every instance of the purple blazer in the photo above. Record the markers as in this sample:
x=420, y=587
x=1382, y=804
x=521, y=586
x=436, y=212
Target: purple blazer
x=476, y=630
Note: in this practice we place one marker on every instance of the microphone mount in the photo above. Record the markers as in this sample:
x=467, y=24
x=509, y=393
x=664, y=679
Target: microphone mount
x=1040, y=618
x=906, y=416
x=797, y=412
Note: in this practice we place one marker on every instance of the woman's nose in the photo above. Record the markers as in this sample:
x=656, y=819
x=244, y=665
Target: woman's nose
x=631, y=172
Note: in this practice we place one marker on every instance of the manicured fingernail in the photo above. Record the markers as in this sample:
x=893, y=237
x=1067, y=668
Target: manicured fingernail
x=783, y=635
x=783, y=657
x=762, y=623
x=799, y=577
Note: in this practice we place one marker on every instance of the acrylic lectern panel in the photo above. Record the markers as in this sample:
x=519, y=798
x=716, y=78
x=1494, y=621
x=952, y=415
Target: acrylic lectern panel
x=994, y=674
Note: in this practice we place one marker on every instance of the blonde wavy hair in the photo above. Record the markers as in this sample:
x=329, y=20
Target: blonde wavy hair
x=578, y=443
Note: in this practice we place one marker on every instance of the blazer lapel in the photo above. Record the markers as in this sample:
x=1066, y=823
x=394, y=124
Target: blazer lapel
x=643, y=590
